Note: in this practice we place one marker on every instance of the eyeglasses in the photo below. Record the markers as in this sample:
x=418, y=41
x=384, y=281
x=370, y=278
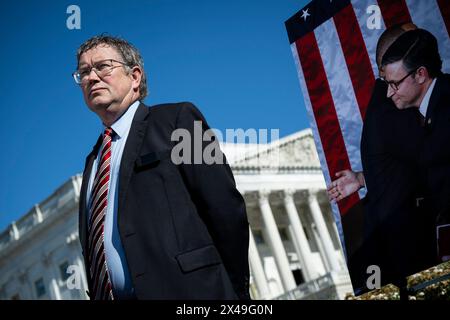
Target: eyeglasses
x=396, y=84
x=102, y=68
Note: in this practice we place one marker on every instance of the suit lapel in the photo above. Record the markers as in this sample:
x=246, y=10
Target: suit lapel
x=130, y=154
x=83, y=193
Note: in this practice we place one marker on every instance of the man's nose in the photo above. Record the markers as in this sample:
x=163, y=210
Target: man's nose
x=93, y=76
x=390, y=92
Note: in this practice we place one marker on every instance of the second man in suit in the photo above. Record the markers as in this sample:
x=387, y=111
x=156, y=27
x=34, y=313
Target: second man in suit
x=415, y=82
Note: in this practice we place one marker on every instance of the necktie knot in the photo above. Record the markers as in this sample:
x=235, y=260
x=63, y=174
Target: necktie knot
x=108, y=132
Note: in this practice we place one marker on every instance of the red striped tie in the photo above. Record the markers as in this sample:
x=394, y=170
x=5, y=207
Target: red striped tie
x=101, y=284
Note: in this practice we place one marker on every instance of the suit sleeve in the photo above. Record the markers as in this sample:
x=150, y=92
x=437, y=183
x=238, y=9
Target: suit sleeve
x=221, y=206
x=375, y=139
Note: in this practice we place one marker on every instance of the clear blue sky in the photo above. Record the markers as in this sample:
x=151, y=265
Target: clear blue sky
x=231, y=58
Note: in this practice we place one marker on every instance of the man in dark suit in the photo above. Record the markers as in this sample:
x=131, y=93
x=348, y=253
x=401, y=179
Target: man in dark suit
x=413, y=71
x=151, y=226
x=389, y=146
x=392, y=217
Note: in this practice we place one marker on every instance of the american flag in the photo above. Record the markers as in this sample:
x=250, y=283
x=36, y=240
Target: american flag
x=333, y=43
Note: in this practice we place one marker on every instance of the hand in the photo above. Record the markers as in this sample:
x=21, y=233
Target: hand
x=347, y=183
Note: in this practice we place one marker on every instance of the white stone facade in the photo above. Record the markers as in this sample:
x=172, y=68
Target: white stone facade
x=294, y=251
x=35, y=248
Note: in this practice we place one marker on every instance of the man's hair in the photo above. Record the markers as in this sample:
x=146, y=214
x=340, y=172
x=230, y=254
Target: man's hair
x=130, y=55
x=415, y=48
x=388, y=37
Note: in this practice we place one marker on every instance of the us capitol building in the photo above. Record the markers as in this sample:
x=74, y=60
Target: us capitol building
x=294, y=249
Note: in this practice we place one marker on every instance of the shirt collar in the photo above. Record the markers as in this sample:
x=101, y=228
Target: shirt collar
x=426, y=100
x=123, y=124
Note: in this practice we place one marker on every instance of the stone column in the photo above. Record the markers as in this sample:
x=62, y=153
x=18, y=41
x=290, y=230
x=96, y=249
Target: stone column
x=73, y=242
x=299, y=235
x=258, y=269
x=54, y=288
x=275, y=242
x=322, y=229
x=84, y=287
x=25, y=284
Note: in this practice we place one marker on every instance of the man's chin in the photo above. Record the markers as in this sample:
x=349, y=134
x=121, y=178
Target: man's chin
x=99, y=104
x=400, y=105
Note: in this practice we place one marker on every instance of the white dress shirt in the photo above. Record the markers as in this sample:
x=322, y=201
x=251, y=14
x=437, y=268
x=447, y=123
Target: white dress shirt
x=115, y=255
x=426, y=99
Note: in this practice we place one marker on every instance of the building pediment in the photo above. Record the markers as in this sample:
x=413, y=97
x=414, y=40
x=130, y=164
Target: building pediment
x=293, y=152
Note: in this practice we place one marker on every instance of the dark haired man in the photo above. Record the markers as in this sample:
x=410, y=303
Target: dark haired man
x=392, y=239
x=150, y=228
x=413, y=72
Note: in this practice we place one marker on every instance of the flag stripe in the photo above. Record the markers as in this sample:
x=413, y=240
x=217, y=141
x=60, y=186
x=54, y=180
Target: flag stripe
x=318, y=143
x=444, y=7
x=323, y=108
x=424, y=11
x=344, y=99
x=370, y=36
x=341, y=90
x=356, y=57
x=394, y=12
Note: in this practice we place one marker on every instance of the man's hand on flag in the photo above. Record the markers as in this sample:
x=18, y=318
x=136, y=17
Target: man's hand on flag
x=347, y=183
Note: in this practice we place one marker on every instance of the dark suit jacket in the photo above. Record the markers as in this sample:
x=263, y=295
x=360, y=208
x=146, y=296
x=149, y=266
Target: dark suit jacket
x=390, y=146
x=183, y=227
x=435, y=157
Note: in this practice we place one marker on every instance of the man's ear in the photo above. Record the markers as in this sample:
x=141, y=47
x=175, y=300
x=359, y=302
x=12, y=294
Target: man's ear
x=381, y=73
x=422, y=75
x=136, y=76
